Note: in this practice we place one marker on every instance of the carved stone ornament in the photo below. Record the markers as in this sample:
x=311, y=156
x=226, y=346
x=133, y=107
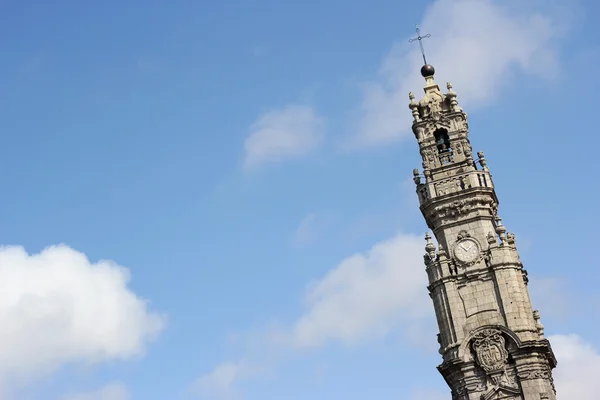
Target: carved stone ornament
x=490, y=350
x=438, y=122
x=458, y=207
x=434, y=107
x=458, y=148
x=463, y=234
x=491, y=238
x=538, y=373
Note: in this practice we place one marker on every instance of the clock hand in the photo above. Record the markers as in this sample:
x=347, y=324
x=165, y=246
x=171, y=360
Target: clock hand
x=463, y=247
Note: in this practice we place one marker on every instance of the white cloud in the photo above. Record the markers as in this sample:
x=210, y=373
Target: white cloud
x=282, y=134
x=476, y=44
x=56, y=307
x=576, y=376
x=113, y=391
x=366, y=295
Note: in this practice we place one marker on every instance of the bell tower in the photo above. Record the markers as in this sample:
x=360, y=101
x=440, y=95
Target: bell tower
x=491, y=340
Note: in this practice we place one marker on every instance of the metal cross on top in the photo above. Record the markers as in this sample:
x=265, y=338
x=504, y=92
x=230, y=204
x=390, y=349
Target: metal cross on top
x=420, y=39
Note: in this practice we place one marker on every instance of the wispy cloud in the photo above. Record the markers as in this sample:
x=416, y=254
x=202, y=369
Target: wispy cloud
x=366, y=295
x=280, y=134
x=307, y=230
x=475, y=43
x=113, y=391
x=221, y=382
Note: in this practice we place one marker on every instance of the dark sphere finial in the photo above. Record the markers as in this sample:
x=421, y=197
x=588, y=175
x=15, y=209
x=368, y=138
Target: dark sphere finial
x=427, y=70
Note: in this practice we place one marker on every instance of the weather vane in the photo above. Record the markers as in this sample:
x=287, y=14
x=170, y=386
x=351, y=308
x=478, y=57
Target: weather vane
x=420, y=39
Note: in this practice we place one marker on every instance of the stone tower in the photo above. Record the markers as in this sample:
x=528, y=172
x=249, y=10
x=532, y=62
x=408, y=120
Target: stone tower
x=491, y=340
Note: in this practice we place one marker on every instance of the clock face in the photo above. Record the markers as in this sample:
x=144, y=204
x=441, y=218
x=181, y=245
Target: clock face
x=466, y=251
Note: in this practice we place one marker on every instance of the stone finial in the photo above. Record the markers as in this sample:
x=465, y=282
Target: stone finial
x=482, y=160
x=429, y=247
x=451, y=95
x=414, y=106
x=538, y=323
x=416, y=177
x=500, y=229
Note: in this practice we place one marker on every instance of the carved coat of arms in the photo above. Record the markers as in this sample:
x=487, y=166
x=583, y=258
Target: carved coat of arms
x=490, y=350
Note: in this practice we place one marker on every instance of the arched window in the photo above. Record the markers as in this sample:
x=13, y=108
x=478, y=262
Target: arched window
x=442, y=140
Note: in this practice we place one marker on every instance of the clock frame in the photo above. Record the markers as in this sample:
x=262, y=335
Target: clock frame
x=467, y=251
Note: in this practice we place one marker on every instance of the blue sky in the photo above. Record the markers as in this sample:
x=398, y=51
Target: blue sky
x=247, y=167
